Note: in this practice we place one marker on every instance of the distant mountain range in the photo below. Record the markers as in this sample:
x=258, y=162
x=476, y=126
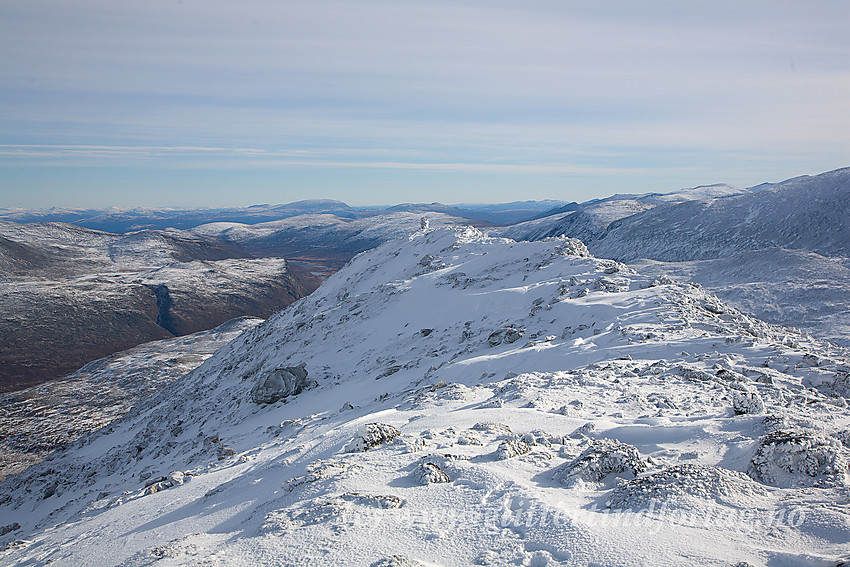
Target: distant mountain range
x=119, y=220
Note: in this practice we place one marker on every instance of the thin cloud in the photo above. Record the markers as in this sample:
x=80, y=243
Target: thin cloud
x=566, y=88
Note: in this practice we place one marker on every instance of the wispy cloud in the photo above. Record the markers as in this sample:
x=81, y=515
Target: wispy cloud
x=565, y=88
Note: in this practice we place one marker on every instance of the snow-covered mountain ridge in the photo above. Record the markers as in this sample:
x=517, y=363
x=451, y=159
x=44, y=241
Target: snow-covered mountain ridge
x=468, y=400
x=739, y=244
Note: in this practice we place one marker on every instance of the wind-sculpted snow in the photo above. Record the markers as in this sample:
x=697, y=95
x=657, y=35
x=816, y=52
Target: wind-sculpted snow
x=421, y=441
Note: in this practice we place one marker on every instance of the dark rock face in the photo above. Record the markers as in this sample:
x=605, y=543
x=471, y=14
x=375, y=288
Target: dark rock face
x=280, y=383
x=504, y=335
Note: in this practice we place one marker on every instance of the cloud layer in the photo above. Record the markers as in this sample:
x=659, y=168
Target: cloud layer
x=592, y=96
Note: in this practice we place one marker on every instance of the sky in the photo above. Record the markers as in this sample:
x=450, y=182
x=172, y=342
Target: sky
x=225, y=103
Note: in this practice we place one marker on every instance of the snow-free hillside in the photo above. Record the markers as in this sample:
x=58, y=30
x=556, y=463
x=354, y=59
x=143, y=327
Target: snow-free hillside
x=43, y=418
x=454, y=399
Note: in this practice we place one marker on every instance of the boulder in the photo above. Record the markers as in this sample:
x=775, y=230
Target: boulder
x=795, y=457
x=279, y=383
x=429, y=473
x=602, y=458
x=507, y=334
x=373, y=435
x=746, y=402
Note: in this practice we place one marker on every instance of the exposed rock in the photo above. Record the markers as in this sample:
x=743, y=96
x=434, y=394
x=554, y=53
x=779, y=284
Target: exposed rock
x=798, y=457
x=429, y=473
x=509, y=334
x=279, y=383
x=604, y=457
x=372, y=435
x=174, y=478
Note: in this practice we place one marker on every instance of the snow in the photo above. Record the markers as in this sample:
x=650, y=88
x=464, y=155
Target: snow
x=40, y=419
x=609, y=365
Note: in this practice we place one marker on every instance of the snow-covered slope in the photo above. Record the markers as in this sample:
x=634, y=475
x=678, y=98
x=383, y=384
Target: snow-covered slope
x=806, y=213
x=454, y=399
x=587, y=223
x=788, y=287
x=776, y=250
x=589, y=220
x=316, y=233
x=70, y=295
x=38, y=420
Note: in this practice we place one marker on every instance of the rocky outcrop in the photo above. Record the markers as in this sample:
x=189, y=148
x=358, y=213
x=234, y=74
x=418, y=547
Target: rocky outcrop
x=279, y=383
x=509, y=334
x=798, y=457
x=604, y=457
x=373, y=435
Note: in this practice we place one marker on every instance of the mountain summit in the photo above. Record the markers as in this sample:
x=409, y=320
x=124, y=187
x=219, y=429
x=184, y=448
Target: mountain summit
x=455, y=399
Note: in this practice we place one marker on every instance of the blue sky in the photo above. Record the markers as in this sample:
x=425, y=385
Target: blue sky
x=210, y=102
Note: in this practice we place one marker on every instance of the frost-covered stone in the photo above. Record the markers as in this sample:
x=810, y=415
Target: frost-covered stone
x=583, y=431
x=747, y=402
x=809, y=361
x=685, y=483
x=385, y=501
x=321, y=470
x=492, y=428
x=540, y=437
x=372, y=435
x=841, y=384
x=774, y=422
x=175, y=478
x=509, y=334
x=397, y=561
x=279, y=383
x=510, y=448
x=429, y=473
x=695, y=374
x=604, y=457
x=797, y=457
x=226, y=452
